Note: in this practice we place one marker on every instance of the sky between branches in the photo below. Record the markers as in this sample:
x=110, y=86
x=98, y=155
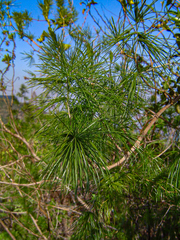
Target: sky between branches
x=109, y=8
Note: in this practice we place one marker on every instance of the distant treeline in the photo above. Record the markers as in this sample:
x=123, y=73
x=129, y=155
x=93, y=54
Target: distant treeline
x=4, y=112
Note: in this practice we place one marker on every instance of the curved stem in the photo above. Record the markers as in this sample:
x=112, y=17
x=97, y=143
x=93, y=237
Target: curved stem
x=143, y=134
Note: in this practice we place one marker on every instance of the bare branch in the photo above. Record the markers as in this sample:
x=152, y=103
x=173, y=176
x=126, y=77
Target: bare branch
x=7, y=230
x=20, y=138
x=39, y=230
x=143, y=134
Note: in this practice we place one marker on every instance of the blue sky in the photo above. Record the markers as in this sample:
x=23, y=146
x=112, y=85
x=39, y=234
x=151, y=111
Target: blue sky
x=109, y=7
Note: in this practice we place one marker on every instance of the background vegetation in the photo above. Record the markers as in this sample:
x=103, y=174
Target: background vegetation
x=96, y=154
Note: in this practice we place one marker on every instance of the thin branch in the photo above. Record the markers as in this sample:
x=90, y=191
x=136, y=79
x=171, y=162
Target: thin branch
x=7, y=230
x=23, y=225
x=40, y=202
x=163, y=151
x=22, y=184
x=39, y=230
x=17, y=213
x=79, y=199
x=164, y=217
x=143, y=134
x=15, y=162
x=20, y=138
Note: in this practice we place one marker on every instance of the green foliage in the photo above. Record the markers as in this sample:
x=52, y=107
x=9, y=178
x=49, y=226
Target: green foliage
x=7, y=59
x=77, y=159
x=22, y=20
x=45, y=7
x=96, y=154
x=89, y=227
